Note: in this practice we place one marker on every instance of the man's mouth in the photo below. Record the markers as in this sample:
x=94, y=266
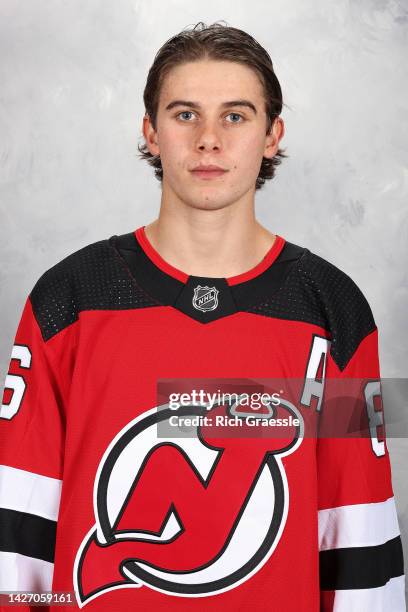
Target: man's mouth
x=208, y=172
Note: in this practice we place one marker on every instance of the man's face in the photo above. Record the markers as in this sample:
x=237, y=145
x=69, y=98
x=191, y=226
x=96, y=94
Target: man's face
x=197, y=124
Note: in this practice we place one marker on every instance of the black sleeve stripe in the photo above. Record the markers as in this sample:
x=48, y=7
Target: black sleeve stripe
x=27, y=534
x=361, y=567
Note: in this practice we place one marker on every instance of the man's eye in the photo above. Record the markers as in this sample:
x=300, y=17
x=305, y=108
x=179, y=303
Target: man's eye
x=183, y=117
x=184, y=113
x=236, y=115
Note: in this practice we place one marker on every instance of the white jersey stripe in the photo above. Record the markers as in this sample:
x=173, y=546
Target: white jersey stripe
x=358, y=525
x=21, y=573
x=388, y=598
x=28, y=492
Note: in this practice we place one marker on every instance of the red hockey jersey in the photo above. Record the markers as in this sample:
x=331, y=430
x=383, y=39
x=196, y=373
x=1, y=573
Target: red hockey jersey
x=117, y=488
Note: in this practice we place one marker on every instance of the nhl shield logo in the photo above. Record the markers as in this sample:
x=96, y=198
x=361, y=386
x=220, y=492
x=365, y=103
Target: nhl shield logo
x=205, y=298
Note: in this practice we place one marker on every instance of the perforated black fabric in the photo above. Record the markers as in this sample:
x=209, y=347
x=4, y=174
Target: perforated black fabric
x=97, y=277
x=93, y=278
x=315, y=291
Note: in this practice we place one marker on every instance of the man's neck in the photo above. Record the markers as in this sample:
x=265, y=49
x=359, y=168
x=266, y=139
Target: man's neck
x=215, y=243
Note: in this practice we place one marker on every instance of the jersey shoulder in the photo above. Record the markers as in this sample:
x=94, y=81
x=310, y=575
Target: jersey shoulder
x=316, y=291
x=91, y=278
x=346, y=311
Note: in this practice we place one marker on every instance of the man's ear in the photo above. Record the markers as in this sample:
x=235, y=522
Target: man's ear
x=274, y=137
x=150, y=135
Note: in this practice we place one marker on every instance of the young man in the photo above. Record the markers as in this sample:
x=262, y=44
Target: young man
x=115, y=491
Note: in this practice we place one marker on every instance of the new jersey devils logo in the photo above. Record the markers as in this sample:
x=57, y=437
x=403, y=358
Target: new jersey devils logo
x=189, y=516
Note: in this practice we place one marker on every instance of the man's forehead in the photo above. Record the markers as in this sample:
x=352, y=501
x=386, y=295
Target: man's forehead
x=233, y=82
x=200, y=100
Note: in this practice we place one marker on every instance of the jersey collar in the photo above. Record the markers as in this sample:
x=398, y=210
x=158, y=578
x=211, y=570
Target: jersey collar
x=204, y=299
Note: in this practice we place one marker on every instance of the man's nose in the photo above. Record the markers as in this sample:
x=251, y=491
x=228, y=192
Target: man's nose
x=209, y=136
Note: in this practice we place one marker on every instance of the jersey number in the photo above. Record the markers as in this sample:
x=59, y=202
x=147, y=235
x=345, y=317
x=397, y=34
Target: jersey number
x=16, y=383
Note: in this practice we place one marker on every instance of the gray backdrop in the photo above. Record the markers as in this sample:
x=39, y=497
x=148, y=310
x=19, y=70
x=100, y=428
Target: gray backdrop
x=72, y=76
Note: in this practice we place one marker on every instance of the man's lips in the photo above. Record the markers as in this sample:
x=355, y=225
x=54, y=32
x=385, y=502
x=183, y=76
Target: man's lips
x=208, y=173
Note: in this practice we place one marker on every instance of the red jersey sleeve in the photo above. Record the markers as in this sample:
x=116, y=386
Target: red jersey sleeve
x=360, y=551
x=32, y=425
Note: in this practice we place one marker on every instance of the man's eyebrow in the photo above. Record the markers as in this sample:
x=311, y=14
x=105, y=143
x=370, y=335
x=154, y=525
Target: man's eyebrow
x=197, y=106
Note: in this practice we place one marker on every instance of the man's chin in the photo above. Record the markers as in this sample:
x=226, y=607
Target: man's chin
x=207, y=202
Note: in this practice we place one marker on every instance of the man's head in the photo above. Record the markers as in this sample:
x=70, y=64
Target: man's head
x=190, y=120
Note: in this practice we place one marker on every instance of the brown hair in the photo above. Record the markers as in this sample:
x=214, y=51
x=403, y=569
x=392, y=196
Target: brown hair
x=214, y=42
